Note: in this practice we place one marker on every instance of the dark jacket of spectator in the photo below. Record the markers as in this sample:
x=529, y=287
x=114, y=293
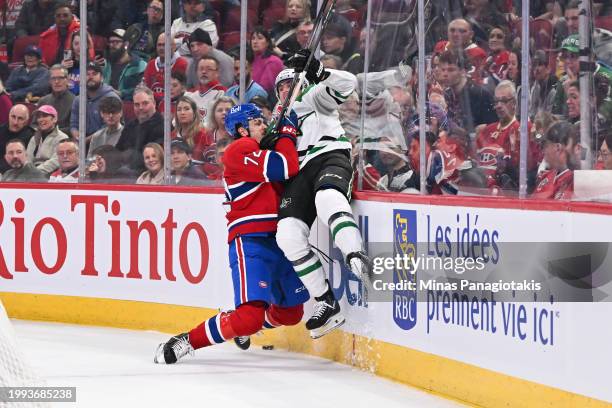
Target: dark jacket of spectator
x=100, y=14
x=130, y=76
x=33, y=19
x=63, y=105
x=94, y=119
x=24, y=134
x=27, y=173
x=135, y=136
x=473, y=106
x=192, y=176
x=23, y=81
x=142, y=39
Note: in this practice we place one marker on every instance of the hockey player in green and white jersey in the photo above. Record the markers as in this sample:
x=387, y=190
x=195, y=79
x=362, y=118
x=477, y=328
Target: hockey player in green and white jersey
x=322, y=187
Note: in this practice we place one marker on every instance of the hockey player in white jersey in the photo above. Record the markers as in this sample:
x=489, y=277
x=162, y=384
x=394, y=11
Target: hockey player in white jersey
x=322, y=187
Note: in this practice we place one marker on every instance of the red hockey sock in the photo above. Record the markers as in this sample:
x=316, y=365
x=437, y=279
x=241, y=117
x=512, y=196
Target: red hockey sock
x=283, y=316
x=247, y=319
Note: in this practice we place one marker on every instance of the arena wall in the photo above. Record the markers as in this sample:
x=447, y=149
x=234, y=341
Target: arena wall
x=156, y=259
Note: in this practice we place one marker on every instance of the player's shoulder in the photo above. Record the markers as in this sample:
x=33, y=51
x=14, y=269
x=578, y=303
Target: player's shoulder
x=241, y=145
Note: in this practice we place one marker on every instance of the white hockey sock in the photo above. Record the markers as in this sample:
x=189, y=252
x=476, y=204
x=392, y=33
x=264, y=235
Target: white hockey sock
x=311, y=273
x=335, y=211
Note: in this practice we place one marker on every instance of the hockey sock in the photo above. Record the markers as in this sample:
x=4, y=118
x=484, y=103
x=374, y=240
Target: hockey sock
x=246, y=320
x=292, y=238
x=283, y=316
x=335, y=211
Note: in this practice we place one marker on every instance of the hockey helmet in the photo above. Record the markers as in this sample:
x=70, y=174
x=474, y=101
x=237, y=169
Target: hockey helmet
x=239, y=116
x=284, y=75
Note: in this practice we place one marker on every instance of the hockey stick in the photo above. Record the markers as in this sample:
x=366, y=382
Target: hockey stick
x=313, y=42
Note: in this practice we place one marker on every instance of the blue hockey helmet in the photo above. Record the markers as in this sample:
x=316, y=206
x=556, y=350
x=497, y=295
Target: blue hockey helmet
x=239, y=116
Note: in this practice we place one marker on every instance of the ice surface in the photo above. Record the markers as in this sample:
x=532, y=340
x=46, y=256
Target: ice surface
x=114, y=368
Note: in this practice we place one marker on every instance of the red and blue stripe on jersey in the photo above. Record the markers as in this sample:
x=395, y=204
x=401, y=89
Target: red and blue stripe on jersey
x=251, y=177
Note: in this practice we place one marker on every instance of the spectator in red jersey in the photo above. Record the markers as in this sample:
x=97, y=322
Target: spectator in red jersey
x=460, y=36
x=58, y=37
x=215, y=131
x=450, y=170
x=153, y=155
x=496, y=65
x=498, y=144
x=558, y=181
x=266, y=65
x=370, y=174
x=154, y=72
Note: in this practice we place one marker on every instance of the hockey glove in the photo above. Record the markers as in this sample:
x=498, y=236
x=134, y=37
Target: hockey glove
x=287, y=129
x=315, y=72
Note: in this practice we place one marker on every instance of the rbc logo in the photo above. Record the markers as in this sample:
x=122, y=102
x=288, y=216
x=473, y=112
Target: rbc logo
x=404, y=243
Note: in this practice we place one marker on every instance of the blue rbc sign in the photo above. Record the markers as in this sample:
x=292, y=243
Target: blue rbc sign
x=404, y=243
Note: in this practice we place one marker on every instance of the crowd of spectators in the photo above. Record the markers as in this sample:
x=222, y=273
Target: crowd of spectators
x=473, y=85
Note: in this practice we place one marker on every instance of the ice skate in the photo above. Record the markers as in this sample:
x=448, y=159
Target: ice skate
x=360, y=264
x=173, y=350
x=326, y=316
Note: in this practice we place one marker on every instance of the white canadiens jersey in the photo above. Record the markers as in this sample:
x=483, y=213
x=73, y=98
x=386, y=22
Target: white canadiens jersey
x=205, y=100
x=318, y=118
x=181, y=31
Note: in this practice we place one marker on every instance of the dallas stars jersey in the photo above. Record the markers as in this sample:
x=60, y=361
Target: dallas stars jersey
x=318, y=118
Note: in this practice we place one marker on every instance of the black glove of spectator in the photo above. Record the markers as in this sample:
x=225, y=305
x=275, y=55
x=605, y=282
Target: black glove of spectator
x=315, y=72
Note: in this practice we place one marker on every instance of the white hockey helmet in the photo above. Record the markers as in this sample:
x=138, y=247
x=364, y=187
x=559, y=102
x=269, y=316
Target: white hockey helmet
x=284, y=75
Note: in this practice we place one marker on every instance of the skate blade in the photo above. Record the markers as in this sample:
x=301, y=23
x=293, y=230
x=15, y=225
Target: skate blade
x=331, y=325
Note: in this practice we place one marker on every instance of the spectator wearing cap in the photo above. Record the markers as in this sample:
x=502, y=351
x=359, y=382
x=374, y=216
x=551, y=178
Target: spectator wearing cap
x=469, y=104
x=96, y=91
x=60, y=97
x=558, y=181
x=35, y=17
x=122, y=71
x=266, y=65
x=29, y=80
x=58, y=37
x=210, y=89
x=142, y=36
x=68, y=155
x=252, y=88
x=111, y=110
x=569, y=54
x=200, y=46
x=42, y=146
x=148, y=127
x=336, y=40
x=194, y=17
x=17, y=128
x=20, y=168
x=184, y=172
x=154, y=72
x=460, y=37
x=544, y=85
